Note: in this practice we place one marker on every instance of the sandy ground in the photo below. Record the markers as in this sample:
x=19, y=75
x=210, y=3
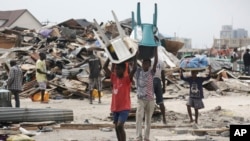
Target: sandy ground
x=238, y=104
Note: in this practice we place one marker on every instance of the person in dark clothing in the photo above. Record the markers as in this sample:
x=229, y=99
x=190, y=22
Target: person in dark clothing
x=15, y=81
x=195, y=92
x=95, y=67
x=246, y=60
x=159, y=87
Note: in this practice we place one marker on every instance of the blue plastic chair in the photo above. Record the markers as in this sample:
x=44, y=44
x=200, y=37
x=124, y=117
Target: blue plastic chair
x=149, y=34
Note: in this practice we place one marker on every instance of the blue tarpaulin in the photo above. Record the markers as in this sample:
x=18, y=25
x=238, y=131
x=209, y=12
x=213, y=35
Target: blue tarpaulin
x=198, y=61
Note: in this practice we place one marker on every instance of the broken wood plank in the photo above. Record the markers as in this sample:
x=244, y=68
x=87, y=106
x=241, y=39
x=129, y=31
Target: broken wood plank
x=30, y=124
x=97, y=126
x=9, y=132
x=176, y=138
x=237, y=84
x=177, y=85
x=27, y=92
x=210, y=130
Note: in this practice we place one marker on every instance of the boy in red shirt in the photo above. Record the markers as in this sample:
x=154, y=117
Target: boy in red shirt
x=121, y=103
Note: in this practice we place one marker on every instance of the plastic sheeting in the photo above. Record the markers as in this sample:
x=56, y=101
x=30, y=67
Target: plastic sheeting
x=45, y=32
x=198, y=61
x=218, y=64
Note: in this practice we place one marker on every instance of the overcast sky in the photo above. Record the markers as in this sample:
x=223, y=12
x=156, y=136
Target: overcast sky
x=200, y=20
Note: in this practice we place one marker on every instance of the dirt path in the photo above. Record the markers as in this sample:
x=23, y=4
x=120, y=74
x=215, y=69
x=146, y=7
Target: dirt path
x=97, y=113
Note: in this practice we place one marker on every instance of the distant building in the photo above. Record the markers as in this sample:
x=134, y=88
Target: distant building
x=231, y=38
x=19, y=18
x=231, y=43
x=227, y=32
x=240, y=33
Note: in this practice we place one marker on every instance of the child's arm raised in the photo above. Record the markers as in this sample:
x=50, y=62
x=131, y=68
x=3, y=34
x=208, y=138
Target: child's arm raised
x=155, y=59
x=106, y=69
x=209, y=74
x=181, y=75
x=131, y=74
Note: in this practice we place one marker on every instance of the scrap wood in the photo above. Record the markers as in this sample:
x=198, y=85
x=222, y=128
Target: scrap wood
x=244, y=78
x=184, y=137
x=43, y=123
x=230, y=74
x=102, y=125
x=75, y=91
x=28, y=92
x=237, y=84
x=74, y=84
x=176, y=84
x=170, y=96
x=210, y=129
x=57, y=85
x=9, y=132
x=29, y=85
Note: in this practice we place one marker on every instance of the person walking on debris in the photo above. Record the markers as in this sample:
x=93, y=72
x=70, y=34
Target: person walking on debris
x=15, y=81
x=159, y=87
x=145, y=96
x=195, y=92
x=95, y=68
x=234, y=58
x=246, y=60
x=41, y=74
x=121, y=80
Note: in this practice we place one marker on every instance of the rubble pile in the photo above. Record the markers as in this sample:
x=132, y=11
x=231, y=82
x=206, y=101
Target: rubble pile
x=66, y=45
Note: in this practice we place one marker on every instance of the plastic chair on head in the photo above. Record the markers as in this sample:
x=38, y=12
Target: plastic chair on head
x=145, y=34
x=119, y=49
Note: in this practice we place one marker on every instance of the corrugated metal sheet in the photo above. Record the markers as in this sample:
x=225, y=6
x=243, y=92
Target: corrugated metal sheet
x=8, y=114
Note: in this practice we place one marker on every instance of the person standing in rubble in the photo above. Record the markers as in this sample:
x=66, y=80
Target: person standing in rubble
x=159, y=87
x=41, y=74
x=246, y=60
x=95, y=68
x=121, y=79
x=15, y=81
x=195, y=92
x=145, y=96
x=234, y=58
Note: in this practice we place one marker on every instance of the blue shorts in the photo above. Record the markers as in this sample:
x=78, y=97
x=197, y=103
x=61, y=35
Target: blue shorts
x=121, y=116
x=158, y=91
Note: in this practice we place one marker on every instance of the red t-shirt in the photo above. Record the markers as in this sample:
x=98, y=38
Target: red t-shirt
x=120, y=93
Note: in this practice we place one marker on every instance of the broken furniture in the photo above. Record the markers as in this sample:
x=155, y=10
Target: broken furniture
x=119, y=49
